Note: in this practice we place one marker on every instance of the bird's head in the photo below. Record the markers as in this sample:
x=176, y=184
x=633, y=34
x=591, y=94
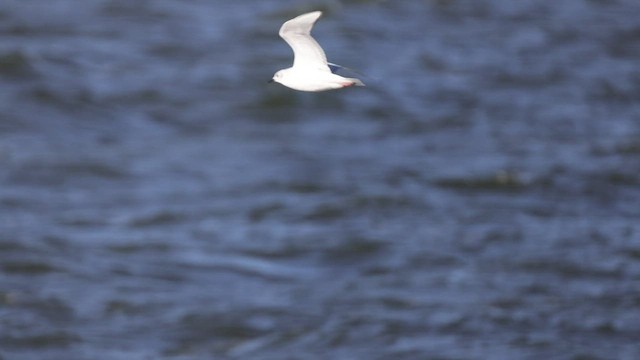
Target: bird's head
x=277, y=77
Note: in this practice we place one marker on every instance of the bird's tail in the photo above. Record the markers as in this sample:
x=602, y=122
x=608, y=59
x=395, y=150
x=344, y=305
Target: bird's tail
x=335, y=67
x=356, y=82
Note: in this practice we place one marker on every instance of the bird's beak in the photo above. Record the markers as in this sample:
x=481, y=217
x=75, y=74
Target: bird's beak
x=270, y=81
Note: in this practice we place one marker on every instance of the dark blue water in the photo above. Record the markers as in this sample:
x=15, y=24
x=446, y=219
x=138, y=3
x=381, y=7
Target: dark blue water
x=480, y=199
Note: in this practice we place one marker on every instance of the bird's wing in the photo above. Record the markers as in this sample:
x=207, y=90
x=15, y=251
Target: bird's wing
x=306, y=50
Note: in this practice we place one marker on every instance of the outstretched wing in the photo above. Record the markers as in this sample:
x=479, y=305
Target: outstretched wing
x=306, y=50
x=334, y=67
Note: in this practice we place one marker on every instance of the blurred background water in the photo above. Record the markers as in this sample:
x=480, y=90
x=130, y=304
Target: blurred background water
x=480, y=199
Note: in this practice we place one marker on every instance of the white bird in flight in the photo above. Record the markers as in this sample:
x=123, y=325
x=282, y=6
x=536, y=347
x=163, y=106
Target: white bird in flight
x=310, y=70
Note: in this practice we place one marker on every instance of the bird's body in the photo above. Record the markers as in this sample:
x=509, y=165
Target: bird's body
x=304, y=79
x=310, y=70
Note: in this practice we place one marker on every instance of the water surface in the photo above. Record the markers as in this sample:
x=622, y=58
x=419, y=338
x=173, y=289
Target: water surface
x=478, y=200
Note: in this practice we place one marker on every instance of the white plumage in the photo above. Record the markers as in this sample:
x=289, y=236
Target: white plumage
x=310, y=70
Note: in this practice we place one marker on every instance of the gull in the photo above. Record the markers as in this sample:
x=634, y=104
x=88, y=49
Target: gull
x=310, y=70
